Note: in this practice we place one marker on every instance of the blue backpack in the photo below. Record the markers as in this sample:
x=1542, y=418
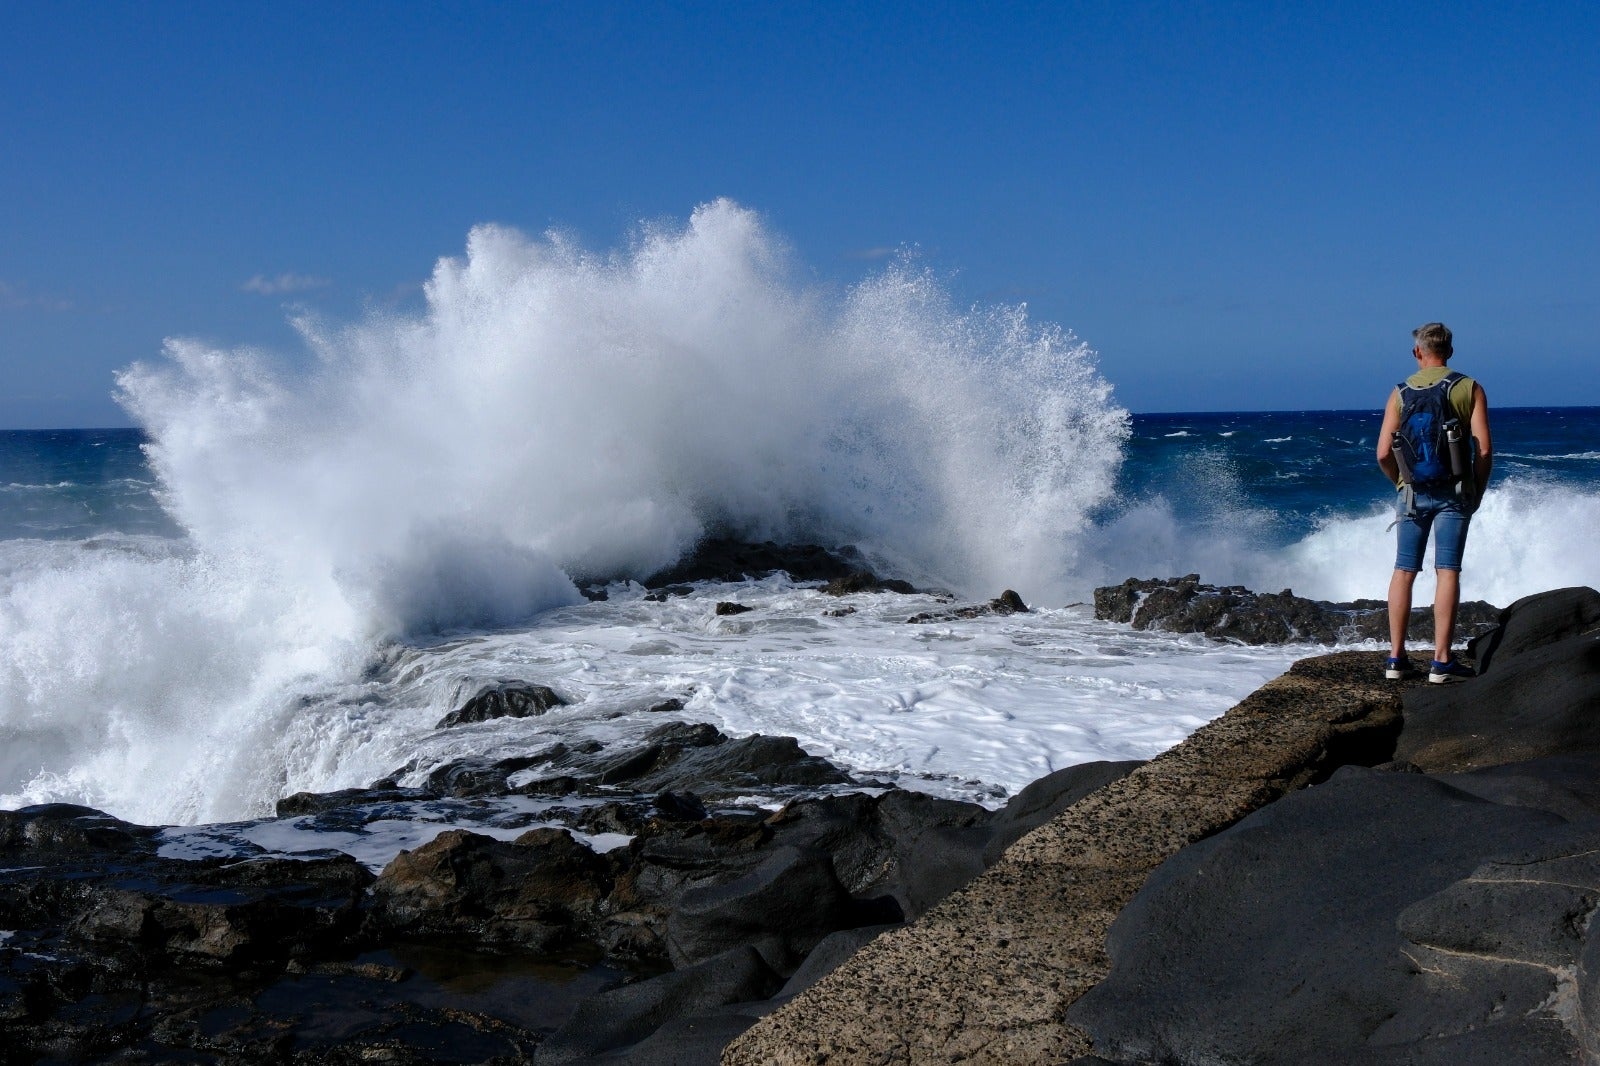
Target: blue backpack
x=1427, y=423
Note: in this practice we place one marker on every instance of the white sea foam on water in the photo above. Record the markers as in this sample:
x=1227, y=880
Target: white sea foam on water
x=972, y=709
x=1586, y=456
x=402, y=827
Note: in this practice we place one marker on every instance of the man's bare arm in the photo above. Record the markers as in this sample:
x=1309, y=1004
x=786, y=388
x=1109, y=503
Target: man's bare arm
x=1391, y=422
x=1480, y=434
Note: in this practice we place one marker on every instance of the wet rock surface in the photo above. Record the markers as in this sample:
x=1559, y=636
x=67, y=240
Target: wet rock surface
x=1008, y=602
x=1538, y=694
x=1233, y=612
x=505, y=700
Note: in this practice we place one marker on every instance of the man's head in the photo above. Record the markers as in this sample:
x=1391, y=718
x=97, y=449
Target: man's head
x=1434, y=339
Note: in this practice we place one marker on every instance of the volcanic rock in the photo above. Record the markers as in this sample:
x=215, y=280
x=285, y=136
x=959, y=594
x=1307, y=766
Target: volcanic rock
x=781, y=907
x=1379, y=918
x=1537, y=621
x=1008, y=602
x=541, y=891
x=259, y=909
x=723, y=559
x=626, y=1015
x=865, y=581
x=60, y=830
x=1047, y=797
x=503, y=701
x=697, y=758
x=1233, y=612
x=1539, y=693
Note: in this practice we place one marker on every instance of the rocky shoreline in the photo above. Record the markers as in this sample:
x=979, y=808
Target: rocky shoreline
x=647, y=888
x=1428, y=900
x=635, y=907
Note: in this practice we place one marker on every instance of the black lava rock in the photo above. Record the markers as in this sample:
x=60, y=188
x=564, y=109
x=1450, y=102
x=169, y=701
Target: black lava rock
x=1233, y=612
x=1540, y=697
x=1346, y=924
x=1008, y=602
x=503, y=701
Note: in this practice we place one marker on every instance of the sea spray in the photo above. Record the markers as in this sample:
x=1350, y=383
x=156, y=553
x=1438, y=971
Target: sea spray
x=606, y=411
x=552, y=414
x=1522, y=540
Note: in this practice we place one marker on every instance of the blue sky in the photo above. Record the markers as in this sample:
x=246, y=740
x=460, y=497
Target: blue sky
x=1240, y=206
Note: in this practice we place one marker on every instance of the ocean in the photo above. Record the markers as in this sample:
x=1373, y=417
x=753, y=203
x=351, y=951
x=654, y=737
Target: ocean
x=296, y=568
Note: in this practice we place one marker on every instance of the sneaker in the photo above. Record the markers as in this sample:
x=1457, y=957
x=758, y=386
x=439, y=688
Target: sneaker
x=1445, y=673
x=1395, y=669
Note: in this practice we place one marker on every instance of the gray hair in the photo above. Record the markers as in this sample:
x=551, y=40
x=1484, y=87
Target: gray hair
x=1434, y=337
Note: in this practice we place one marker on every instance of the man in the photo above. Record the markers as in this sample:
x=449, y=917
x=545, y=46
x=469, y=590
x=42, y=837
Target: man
x=1443, y=506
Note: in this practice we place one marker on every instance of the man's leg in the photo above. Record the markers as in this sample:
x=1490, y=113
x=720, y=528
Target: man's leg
x=1400, y=610
x=1445, y=601
x=1449, y=544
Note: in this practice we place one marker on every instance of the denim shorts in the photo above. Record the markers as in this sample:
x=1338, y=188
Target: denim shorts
x=1443, y=514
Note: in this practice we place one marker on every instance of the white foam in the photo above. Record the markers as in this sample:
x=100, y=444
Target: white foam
x=374, y=844
x=973, y=709
x=1570, y=455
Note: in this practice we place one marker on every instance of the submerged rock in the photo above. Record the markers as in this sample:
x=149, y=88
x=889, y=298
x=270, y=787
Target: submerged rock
x=866, y=581
x=1008, y=602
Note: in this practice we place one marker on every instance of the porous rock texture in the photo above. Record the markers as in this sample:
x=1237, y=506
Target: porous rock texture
x=986, y=975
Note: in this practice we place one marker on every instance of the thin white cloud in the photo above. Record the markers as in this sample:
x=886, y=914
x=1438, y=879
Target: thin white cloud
x=283, y=283
x=19, y=298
